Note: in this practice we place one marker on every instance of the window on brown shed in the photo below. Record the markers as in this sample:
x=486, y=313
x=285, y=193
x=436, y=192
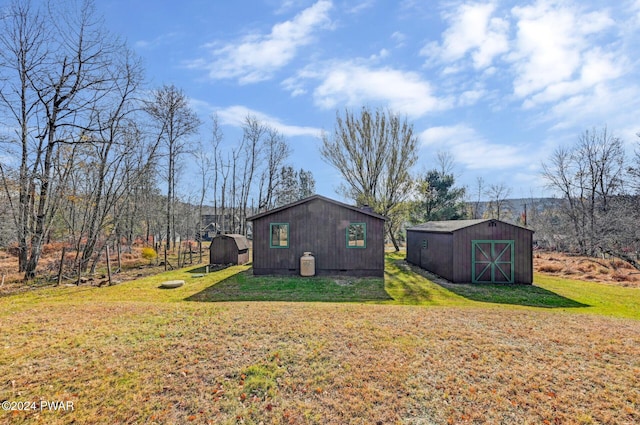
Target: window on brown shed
x=357, y=235
x=279, y=235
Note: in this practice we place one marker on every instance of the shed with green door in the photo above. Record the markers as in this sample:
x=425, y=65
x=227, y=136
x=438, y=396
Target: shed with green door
x=473, y=251
x=343, y=239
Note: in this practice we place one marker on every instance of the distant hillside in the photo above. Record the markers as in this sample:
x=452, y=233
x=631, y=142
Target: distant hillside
x=513, y=209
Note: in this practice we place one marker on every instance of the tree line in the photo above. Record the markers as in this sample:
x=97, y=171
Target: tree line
x=92, y=156
x=597, y=185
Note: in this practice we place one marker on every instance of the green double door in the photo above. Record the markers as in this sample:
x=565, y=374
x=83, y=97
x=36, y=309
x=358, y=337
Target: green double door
x=492, y=261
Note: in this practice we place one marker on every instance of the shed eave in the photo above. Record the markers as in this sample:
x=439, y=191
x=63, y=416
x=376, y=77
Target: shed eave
x=312, y=198
x=452, y=226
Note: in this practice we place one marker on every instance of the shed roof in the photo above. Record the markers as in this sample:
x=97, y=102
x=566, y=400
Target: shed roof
x=312, y=198
x=240, y=240
x=450, y=226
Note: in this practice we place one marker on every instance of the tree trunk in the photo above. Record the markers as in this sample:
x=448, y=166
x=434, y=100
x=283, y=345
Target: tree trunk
x=393, y=240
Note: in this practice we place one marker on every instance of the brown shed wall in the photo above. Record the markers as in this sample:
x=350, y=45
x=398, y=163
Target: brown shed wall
x=523, y=255
x=449, y=254
x=319, y=227
x=437, y=257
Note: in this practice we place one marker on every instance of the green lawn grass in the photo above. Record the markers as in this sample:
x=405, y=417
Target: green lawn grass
x=403, y=285
x=246, y=287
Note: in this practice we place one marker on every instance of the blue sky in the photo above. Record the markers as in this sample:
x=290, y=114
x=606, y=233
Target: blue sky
x=498, y=84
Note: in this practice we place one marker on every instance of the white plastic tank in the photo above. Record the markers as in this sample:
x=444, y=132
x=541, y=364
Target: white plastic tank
x=307, y=264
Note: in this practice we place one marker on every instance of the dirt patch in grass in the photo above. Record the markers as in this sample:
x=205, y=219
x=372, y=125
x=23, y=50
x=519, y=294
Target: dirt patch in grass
x=292, y=363
x=612, y=271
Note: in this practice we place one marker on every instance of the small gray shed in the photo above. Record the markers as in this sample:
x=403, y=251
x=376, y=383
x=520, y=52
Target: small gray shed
x=229, y=249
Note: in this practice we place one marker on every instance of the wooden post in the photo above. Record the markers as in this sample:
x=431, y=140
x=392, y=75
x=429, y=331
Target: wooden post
x=190, y=254
x=179, y=246
x=64, y=249
x=79, y=268
x=119, y=261
x=108, y=265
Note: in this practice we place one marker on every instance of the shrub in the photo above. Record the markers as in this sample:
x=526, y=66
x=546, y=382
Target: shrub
x=550, y=268
x=620, y=264
x=619, y=277
x=188, y=244
x=13, y=249
x=586, y=268
x=52, y=248
x=149, y=253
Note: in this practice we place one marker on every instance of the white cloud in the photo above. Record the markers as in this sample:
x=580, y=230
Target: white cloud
x=471, y=97
x=472, y=150
x=635, y=8
x=380, y=55
x=360, y=6
x=235, y=116
x=400, y=38
x=160, y=40
x=613, y=105
x=256, y=57
x=553, y=57
x=473, y=30
x=354, y=83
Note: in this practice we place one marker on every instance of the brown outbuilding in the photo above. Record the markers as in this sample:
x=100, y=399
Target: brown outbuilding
x=473, y=251
x=343, y=239
x=229, y=249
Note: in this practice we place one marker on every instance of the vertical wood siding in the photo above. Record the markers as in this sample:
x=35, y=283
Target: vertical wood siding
x=449, y=254
x=523, y=255
x=437, y=257
x=319, y=227
x=224, y=250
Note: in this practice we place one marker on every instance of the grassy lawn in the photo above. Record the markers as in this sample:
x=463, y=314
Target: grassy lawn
x=246, y=287
x=399, y=350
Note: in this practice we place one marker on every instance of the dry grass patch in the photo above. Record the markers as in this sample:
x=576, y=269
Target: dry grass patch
x=291, y=363
x=133, y=353
x=613, y=271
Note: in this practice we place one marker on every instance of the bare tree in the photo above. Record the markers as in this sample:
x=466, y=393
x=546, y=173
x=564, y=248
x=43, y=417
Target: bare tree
x=479, y=191
x=204, y=164
x=588, y=176
x=216, y=138
x=23, y=52
x=498, y=195
x=109, y=151
x=276, y=151
x=225, y=168
x=253, y=133
x=374, y=152
x=634, y=170
x=233, y=189
x=61, y=67
x=174, y=121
